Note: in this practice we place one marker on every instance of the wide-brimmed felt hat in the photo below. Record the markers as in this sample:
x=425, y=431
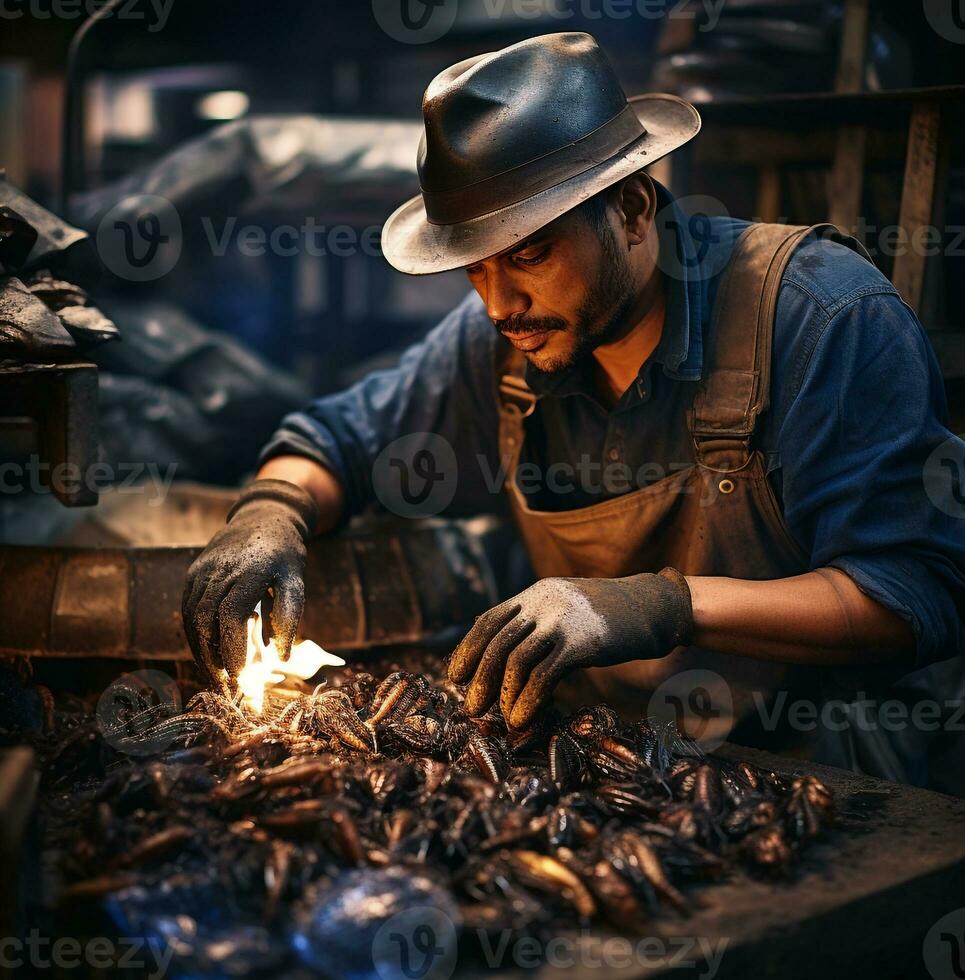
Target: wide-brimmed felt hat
x=515, y=138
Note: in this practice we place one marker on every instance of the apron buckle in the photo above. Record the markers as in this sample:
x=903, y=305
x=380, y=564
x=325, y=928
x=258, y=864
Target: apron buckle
x=516, y=396
x=717, y=451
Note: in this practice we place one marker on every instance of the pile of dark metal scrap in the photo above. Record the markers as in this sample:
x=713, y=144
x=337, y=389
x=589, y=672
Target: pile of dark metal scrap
x=257, y=840
x=43, y=312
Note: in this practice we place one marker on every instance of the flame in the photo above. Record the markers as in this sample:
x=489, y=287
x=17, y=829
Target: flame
x=263, y=665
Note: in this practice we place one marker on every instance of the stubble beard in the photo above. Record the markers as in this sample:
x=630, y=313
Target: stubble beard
x=603, y=314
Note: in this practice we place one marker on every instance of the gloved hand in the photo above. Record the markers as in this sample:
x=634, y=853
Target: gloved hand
x=521, y=648
x=262, y=546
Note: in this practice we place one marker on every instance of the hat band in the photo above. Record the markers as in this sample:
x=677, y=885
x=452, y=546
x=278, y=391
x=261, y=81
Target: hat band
x=512, y=186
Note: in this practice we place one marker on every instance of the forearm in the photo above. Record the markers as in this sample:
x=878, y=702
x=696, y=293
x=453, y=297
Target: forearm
x=821, y=617
x=323, y=487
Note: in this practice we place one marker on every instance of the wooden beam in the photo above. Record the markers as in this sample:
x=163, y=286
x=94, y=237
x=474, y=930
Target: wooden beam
x=854, y=43
x=918, y=200
x=769, y=193
x=846, y=181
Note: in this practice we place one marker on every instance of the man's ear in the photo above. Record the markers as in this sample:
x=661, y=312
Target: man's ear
x=637, y=204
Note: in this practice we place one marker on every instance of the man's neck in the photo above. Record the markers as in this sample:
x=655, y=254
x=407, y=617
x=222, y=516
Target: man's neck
x=617, y=364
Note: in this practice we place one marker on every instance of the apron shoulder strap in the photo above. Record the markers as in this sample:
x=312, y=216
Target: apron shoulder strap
x=737, y=369
x=514, y=398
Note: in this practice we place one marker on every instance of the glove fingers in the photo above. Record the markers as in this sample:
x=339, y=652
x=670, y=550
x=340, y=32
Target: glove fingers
x=538, y=691
x=208, y=668
x=189, y=602
x=466, y=656
x=194, y=586
x=519, y=667
x=286, y=610
x=485, y=686
x=204, y=620
x=233, y=615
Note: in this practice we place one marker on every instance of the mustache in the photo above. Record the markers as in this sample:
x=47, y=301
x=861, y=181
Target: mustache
x=521, y=326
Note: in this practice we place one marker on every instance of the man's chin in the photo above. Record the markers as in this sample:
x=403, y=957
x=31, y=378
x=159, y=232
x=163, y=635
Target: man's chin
x=546, y=360
x=549, y=363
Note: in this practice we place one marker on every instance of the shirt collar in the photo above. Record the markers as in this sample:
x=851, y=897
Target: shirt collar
x=683, y=263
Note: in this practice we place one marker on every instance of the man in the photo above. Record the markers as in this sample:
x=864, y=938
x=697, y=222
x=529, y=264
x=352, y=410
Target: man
x=758, y=399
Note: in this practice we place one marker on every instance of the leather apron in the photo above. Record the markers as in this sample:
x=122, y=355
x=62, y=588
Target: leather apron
x=718, y=517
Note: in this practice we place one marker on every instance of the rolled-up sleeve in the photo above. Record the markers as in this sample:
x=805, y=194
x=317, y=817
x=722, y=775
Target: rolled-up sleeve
x=443, y=385
x=861, y=448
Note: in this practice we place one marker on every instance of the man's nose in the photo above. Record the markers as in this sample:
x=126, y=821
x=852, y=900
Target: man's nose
x=503, y=298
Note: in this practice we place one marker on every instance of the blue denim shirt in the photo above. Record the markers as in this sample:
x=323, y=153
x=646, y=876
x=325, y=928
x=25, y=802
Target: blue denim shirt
x=856, y=417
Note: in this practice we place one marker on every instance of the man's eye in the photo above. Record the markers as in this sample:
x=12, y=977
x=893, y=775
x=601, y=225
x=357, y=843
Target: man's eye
x=533, y=259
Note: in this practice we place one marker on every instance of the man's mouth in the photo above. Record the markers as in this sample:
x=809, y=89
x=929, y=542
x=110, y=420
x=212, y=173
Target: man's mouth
x=528, y=341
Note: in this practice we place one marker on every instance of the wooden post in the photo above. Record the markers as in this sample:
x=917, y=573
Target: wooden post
x=920, y=200
x=846, y=182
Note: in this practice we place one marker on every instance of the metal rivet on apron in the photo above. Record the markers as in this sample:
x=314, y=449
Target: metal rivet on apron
x=726, y=486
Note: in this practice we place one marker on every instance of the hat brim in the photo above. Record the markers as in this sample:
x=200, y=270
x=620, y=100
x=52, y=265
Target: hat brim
x=413, y=245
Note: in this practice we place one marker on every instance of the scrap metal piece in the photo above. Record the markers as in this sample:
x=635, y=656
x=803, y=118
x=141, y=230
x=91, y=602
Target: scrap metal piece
x=17, y=238
x=56, y=293
x=28, y=326
x=87, y=324
x=54, y=240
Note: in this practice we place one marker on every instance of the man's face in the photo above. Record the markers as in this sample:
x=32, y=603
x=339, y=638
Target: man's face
x=560, y=293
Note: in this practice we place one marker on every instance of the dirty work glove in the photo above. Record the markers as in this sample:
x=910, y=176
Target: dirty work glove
x=521, y=648
x=262, y=547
